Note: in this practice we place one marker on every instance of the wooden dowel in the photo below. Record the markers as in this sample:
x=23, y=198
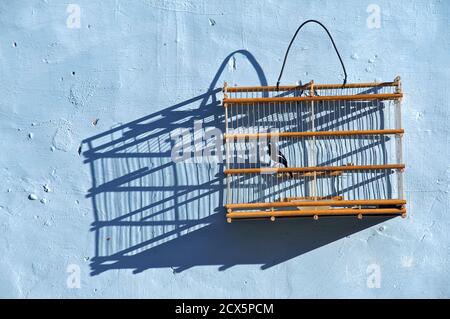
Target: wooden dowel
x=306, y=86
x=336, y=203
x=268, y=170
x=386, y=96
x=311, y=198
x=315, y=173
x=316, y=133
x=323, y=212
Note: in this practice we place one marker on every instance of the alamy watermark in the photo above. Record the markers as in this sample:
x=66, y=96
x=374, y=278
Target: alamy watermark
x=73, y=21
x=206, y=145
x=373, y=276
x=73, y=280
x=374, y=19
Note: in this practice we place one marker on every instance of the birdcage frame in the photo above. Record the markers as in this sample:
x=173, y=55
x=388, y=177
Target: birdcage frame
x=332, y=126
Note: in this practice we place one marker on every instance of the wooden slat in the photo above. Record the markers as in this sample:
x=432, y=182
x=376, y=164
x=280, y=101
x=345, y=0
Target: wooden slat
x=318, y=212
x=311, y=198
x=306, y=86
x=336, y=203
x=310, y=134
x=269, y=170
x=386, y=96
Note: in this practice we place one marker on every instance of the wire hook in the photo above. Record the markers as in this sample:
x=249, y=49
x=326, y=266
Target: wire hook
x=292, y=41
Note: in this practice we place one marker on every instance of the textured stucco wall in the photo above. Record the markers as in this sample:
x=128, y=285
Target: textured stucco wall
x=155, y=63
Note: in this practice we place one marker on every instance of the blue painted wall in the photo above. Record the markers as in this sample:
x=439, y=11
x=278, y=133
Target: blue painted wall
x=88, y=187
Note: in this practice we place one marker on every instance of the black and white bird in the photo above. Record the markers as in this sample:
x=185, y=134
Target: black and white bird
x=279, y=158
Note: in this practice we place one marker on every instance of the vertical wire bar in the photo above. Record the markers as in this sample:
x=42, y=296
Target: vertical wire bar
x=313, y=142
x=298, y=148
x=255, y=149
x=227, y=147
x=398, y=140
x=372, y=145
x=280, y=177
x=237, y=151
x=329, y=145
x=360, y=142
x=258, y=149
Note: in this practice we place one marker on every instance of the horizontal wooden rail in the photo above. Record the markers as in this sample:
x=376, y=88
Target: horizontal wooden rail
x=336, y=203
x=321, y=212
x=307, y=86
x=387, y=96
x=269, y=170
x=311, y=198
x=316, y=174
x=312, y=134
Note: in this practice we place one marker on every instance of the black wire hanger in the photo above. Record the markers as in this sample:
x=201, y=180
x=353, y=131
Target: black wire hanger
x=292, y=41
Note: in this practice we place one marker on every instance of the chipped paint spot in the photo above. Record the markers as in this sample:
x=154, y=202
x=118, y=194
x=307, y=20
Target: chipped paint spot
x=63, y=140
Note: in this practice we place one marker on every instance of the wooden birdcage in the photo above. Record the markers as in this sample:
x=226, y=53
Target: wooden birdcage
x=314, y=150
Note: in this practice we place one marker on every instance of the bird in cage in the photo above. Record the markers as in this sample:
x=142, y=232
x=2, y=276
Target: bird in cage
x=279, y=158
